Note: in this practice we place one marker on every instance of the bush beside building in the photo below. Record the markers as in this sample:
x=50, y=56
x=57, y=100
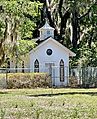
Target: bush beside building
x=28, y=80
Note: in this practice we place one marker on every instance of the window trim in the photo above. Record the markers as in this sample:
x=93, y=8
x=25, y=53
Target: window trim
x=49, y=52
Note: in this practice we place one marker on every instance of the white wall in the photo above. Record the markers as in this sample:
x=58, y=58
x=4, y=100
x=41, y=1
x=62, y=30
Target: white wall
x=58, y=54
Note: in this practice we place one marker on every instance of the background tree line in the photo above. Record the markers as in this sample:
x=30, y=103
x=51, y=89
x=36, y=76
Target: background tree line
x=75, y=23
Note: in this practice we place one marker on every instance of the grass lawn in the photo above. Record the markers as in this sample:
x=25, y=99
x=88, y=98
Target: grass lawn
x=48, y=104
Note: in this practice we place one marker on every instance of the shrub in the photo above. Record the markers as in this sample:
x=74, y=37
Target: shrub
x=73, y=82
x=28, y=80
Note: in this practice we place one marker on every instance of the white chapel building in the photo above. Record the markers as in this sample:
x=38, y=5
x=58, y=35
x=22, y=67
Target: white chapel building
x=50, y=56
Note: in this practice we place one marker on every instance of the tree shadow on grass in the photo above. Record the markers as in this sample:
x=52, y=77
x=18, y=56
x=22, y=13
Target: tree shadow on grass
x=3, y=92
x=68, y=93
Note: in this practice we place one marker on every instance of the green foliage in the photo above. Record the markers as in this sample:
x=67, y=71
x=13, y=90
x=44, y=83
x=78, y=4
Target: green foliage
x=17, y=22
x=24, y=46
x=28, y=80
x=1, y=28
x=20, y=49
x=25, y=14
x=27, y=28
x=85, y=56
x=19, y=10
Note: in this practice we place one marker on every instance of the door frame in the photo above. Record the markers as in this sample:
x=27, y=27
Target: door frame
x=51, y=70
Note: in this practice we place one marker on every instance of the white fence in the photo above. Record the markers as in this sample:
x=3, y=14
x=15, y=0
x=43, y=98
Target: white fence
x=86, y=76
x=83, y=76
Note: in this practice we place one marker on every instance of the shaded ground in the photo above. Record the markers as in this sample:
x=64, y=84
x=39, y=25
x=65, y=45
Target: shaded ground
x=59, y=94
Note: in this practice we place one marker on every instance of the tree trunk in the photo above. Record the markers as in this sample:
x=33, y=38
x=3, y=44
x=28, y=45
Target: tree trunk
x=63, y=23
x=2, y=44
x=74, y=31
x=75, y=25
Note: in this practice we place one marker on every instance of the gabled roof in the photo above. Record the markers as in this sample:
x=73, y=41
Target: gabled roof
x=57, y=43
x=46, y=26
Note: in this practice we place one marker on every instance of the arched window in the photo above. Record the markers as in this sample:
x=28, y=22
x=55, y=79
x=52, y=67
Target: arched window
x=36, y=66
x=61, y=70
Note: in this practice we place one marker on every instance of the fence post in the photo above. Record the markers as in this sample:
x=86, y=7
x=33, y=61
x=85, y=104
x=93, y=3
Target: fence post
x=6, y=77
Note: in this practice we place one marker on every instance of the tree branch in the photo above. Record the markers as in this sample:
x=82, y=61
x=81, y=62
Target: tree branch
x=51, y=3
x=81, y=17
x=47, y=3
x=60, y=8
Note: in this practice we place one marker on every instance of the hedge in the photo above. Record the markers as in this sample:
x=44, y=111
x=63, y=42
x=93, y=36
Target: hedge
x=28, y=80
x=73, y=82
